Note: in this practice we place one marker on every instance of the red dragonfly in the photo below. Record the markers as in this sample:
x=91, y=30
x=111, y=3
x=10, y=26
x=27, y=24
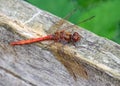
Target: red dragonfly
x=59, y=36
x=63, y=37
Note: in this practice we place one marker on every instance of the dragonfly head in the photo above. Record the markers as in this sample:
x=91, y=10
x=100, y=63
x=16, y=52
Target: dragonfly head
x=75, y=37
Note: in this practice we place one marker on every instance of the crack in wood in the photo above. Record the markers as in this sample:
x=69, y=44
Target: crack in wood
x=29, y=20
x=17, y=76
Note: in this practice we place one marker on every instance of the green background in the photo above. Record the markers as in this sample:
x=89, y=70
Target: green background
x=107, y=14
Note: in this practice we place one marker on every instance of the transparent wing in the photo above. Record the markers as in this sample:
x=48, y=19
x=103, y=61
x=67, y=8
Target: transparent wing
x=71, y=26
x=59, y=23
x=71, y=63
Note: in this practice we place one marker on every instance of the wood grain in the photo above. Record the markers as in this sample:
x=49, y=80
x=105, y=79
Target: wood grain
x=34, y=65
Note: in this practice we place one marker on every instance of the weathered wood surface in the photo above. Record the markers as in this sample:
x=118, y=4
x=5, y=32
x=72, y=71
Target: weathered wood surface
x=32, y=65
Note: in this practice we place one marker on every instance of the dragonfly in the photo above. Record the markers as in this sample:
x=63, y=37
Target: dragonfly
x=61, y=36
x=64, y=37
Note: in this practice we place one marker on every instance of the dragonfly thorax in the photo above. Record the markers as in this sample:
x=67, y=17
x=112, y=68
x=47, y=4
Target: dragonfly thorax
x=66, y=37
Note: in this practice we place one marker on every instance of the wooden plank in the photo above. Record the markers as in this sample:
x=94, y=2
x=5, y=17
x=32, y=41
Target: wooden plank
x=32, y=65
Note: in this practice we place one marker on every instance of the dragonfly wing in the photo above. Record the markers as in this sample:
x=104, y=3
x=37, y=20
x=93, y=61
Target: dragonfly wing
x=71, y=63
x=56, y=26
x=71, y=26
x=60, y=22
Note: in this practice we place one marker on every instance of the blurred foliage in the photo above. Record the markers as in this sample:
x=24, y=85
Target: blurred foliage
x=88, y=3
x=107, y=15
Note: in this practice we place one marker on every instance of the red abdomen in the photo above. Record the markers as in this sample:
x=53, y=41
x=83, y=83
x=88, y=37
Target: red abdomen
x=32, y=40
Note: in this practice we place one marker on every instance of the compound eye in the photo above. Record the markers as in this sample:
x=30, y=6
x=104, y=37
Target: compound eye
x=76, y=37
